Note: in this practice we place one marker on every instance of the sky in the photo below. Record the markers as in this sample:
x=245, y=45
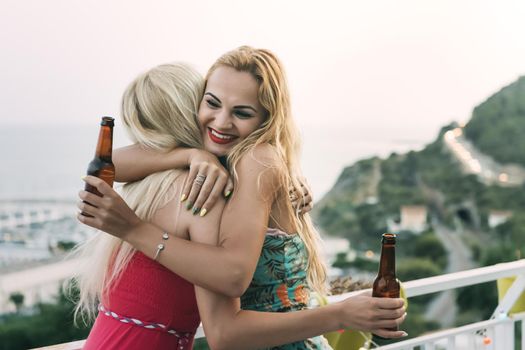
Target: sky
x=373, y=72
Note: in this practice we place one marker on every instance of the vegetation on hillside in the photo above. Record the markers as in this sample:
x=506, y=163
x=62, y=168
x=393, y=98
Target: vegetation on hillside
x=497, y=126
x=41, y=325
x=432, y=177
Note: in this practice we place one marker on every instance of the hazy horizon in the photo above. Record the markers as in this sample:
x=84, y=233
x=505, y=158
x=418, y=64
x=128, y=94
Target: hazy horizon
x=381, y=70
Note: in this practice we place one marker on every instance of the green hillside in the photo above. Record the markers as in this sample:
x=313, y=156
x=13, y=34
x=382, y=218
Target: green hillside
x=497, y=126
x=371, y=191
x=369, y=194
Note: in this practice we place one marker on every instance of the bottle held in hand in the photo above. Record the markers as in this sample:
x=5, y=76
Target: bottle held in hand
x=386, y=285
x=102, y=165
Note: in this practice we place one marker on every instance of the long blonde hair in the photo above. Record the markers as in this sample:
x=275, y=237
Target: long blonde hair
x=159, y=112
x=280, y=131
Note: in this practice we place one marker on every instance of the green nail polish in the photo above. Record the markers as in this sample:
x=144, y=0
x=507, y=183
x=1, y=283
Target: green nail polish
x=195, y=210
x=189, y=205
x=228, y=194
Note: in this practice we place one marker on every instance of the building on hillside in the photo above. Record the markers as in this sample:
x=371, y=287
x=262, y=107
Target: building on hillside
x=498, y=217
x=412, y=218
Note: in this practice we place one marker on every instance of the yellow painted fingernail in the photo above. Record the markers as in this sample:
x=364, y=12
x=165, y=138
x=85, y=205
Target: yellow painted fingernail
x=83, y=177
x=203, y=212
x=183, y=197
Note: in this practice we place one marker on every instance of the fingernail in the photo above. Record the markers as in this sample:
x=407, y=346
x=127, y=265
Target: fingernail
x=189, y=205
x=83, y=177
x=227, y=194
x=203, y=212
x=183, y=197
x=404, y=334
x=195, y=210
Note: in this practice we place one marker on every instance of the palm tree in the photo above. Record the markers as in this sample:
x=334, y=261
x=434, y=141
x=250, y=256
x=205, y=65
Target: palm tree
x=17, y=298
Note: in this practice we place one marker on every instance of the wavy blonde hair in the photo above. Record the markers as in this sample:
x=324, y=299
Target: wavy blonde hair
x=159, y=112
x=280, y=131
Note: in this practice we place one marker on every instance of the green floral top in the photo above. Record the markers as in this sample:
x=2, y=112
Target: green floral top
x=279, y=282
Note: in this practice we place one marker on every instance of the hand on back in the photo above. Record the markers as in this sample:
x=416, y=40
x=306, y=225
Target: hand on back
x=207, y=181
x=301, y=198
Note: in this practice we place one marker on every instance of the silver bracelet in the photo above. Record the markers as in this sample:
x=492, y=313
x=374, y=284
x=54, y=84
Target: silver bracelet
x=160, y=246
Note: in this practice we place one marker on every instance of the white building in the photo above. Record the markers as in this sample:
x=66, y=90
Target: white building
x=498, y=217
x=412, y=218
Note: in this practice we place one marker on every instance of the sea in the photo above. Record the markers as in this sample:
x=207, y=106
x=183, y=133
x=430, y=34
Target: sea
x=45, y=163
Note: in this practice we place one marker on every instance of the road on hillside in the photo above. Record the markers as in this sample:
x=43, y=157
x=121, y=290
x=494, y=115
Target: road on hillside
x=443, y=308
x=476, y=162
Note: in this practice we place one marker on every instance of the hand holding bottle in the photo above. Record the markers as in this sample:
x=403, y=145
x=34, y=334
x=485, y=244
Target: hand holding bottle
x=376, y=315
x=108, y=213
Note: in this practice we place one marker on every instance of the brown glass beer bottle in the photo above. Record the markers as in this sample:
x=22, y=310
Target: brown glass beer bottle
x=386, y=285
x=102, y=166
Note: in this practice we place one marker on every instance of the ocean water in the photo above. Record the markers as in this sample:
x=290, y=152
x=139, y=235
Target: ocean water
x=42, y=164
x=47, y=162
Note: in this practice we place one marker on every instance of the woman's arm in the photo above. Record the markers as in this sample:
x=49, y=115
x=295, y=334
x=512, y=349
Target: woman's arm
x=228, y=327
x=135, y=162
x=201, y=264
x=227, y=268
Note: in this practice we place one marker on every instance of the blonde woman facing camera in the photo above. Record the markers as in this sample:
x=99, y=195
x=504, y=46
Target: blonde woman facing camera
x=257, y=247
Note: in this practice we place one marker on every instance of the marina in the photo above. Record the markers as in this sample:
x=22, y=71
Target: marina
x=35, y=231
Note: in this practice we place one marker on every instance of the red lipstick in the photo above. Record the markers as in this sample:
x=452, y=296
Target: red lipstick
x=220, y=138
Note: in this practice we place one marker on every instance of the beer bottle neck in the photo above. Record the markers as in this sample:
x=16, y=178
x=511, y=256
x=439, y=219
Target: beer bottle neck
x=387, y=264
x=105, y=143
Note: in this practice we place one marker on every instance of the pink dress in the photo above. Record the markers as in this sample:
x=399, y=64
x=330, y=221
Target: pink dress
x=149, y=307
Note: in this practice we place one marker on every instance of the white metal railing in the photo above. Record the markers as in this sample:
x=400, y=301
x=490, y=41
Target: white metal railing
x=494, y=334
x=455, y=280
x=498, y=330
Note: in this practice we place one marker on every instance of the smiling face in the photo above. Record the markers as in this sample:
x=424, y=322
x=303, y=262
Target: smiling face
x=230, y=109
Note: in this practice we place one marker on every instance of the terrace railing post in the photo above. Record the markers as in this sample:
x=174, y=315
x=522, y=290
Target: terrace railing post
x=504, y=336
x=523, y=333
x=510, y=298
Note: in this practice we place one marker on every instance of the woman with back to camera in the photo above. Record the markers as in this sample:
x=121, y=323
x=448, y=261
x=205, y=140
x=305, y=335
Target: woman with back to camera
x=246, y=101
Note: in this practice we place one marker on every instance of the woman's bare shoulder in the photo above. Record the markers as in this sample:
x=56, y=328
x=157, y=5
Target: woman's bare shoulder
x=260, y=168
x=261, y=157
